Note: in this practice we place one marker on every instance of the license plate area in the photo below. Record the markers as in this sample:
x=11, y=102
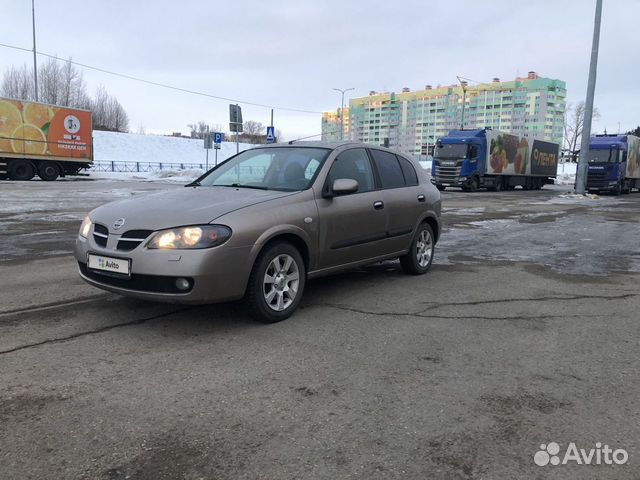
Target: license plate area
x=111, y=265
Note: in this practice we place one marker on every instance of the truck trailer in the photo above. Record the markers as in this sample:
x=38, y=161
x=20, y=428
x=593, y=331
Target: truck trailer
x=44, y=140
x=473, y=159
x=614, y=164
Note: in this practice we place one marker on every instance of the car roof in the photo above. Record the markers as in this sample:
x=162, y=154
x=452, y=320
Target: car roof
x=330, y=145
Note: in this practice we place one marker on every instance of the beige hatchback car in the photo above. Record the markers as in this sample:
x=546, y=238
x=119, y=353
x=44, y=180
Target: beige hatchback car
x=261, y=224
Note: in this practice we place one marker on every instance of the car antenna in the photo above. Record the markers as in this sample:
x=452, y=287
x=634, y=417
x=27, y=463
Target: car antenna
x=303, y=138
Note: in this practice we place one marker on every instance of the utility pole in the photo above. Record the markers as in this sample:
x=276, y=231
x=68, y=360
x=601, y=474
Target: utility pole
x=342, y=110
x=583, y=162
x=463, y=84
x=35, y=63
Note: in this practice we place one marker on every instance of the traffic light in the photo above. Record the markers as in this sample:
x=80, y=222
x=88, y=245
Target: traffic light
x=235, y=118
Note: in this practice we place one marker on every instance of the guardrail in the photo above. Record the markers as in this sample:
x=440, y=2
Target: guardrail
x=123, y=166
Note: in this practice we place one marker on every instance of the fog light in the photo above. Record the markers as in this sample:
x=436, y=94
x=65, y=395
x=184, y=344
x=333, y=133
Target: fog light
x=182, y=284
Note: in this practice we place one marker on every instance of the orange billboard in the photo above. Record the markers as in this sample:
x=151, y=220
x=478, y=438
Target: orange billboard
x=29, y=129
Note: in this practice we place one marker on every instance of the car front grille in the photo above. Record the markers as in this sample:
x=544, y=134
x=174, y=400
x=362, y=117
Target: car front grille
x=131, y=239
x=597, y=179
x=100, y=234
x=447, y=174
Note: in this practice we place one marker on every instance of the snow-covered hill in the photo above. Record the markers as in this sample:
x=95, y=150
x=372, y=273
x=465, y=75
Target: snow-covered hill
x=131, y=147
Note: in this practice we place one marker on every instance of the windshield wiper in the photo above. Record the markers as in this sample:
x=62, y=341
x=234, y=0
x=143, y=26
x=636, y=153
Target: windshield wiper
x=239, y=185
x=195, y=183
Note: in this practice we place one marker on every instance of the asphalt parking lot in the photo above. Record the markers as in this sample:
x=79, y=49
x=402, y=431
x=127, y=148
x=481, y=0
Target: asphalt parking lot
x=524, y=332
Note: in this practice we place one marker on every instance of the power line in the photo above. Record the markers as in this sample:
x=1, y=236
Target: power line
x=157, y=84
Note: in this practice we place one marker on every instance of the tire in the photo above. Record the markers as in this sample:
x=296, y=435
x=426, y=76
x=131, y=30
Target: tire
x=474, y=184
x=420, y=256
x=48, y=171
x=21, y=170
x=617, y=190
x=272, y=281
x=627, y=188
x=498, y=185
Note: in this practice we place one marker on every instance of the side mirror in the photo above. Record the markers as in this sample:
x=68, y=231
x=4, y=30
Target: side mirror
x=343, y=186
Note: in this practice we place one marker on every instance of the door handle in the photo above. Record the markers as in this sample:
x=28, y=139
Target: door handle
x=379, y=205
x=421, y=198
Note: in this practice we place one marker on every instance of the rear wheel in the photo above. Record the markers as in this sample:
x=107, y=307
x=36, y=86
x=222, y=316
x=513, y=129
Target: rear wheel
x=48, y=171
x=276, y=283
x=420, y=256
x=21, y=170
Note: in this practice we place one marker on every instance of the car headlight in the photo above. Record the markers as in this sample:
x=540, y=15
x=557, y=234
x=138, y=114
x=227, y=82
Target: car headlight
x=85, y=227
x=199, y=236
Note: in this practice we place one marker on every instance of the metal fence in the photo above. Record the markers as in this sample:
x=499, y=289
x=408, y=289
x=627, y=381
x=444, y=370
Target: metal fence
x=120, y=166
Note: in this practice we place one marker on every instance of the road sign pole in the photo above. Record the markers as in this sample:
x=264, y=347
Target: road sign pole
x=207, y=160
x=216, y=161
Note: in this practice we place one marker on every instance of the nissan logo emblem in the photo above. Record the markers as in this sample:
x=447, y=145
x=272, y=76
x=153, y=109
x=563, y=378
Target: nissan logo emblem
x=118, y=223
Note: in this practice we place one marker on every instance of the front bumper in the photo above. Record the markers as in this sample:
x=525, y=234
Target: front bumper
x=216, y=274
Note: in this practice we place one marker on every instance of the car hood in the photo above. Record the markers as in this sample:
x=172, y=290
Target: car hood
x=173, y=208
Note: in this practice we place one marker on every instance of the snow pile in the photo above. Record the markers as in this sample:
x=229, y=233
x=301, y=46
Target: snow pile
x=178, y=176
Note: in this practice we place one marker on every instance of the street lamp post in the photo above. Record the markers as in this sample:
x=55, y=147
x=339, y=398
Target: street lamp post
x=35, y=63
x=583, y=162
x=342, y=110
x=463, y=84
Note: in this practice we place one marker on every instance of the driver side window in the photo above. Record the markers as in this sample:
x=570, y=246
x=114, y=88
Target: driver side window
x=353, y=164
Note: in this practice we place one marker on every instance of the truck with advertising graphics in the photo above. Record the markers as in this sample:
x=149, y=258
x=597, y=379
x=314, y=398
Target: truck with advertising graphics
x=614, y=164
x=44, y=140
x=473, y=159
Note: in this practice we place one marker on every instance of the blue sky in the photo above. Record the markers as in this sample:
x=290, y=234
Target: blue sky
x=292, y=54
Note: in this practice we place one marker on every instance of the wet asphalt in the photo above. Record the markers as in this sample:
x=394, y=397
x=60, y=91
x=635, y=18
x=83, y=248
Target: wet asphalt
x=524, y=332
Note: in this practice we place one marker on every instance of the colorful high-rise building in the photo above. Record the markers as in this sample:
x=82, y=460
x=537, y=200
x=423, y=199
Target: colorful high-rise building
x=412, y=121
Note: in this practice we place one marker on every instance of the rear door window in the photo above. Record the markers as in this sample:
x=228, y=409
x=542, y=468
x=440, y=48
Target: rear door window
x=410, y=175
x=388, y=168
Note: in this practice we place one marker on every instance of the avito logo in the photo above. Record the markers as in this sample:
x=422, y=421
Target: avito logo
x=107, y=264
x=601, y=455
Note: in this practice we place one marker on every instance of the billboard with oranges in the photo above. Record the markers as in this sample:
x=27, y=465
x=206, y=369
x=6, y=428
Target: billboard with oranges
x=34, y=130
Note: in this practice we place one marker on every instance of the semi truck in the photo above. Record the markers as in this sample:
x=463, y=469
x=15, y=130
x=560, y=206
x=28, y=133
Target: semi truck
x=44, y=140
x=614, y=164
x=473, y=159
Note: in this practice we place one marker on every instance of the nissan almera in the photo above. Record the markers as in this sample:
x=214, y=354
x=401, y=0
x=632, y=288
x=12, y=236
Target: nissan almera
x=261, y=224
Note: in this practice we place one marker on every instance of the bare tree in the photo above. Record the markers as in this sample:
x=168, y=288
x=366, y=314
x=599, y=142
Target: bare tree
x=108, y=113
x=17, y=83
x=198, y=129
x=61, y=83
x=252, y=132
x=573, y=125
x=252, y=128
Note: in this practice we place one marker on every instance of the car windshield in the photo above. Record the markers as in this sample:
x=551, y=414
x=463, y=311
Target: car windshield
x=451, y=150
x=603, y=156
x=274, y=168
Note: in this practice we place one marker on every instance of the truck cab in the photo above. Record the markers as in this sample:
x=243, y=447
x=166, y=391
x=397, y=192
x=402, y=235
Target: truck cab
x=459, y=159
x=608, y=164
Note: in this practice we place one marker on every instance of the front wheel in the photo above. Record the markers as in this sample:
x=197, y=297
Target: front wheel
x=420, y=256
x=276, y=283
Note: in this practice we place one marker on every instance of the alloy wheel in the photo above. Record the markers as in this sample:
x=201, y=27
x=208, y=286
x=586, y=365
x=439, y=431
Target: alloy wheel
x=424, y=248
x=281, y=281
